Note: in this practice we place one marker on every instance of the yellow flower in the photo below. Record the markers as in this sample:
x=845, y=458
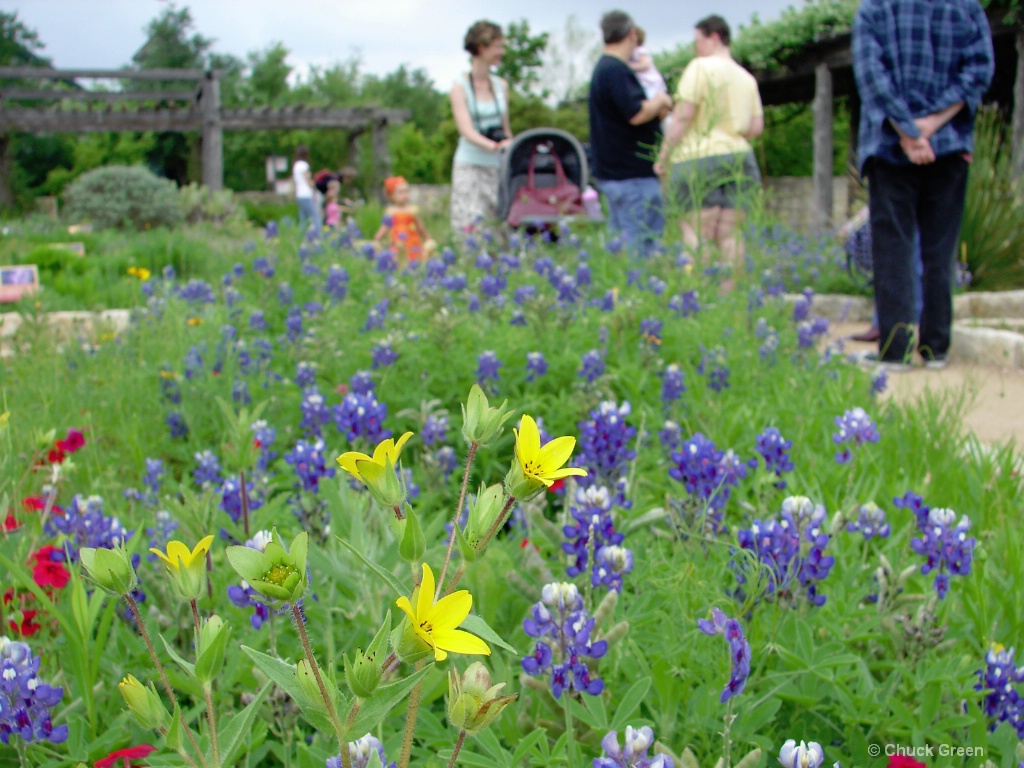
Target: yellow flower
x=186, y=567
x=543, y=464
x=435, y=623
x=195, y=321
x=140, y=272
x=388, y=450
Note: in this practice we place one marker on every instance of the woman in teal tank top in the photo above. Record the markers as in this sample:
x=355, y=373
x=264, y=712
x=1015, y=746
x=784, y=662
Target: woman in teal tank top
x=480, y=108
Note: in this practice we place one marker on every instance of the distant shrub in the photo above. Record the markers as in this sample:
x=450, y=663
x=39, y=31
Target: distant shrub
x=123, y=197
x=200, y=204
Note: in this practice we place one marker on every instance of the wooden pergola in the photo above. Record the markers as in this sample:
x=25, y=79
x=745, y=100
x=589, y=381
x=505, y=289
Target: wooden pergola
x=823, y=71
x=198, y=108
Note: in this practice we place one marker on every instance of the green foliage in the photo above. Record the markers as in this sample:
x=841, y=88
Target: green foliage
x=18, y=43
x=523, y=57
x=123, y=197
x=172, y=43
x=199, y=204
x=991, y=236
x=419, y=159
x=784, y=147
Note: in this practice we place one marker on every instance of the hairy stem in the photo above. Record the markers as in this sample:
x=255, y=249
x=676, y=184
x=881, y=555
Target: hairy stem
x=505, y=511
x=410, y=720
x=339, y=730
x=458, y=748
x=455, y=521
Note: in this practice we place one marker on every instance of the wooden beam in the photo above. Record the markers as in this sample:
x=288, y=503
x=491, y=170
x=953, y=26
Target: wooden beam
x=213, y=134
x=45, y=73
x=822, y=109
x=84, y=95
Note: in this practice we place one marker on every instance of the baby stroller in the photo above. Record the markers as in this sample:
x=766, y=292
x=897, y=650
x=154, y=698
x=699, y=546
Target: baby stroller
x=544, y=179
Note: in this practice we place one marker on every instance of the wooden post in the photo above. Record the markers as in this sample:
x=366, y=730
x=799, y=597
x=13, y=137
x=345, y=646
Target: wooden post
x=381, y=158
x=1017, y=137
x=822, y=109
x=213, y=133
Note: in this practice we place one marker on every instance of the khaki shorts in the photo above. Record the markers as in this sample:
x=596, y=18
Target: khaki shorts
x=719, y=181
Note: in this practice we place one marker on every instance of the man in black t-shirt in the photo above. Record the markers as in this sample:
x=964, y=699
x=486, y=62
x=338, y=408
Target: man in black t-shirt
x=624, y=133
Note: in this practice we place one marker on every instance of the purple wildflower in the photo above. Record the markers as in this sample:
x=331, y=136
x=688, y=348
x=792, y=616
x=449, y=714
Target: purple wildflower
x=536, y=365
x=999, y=681
x=592, y=366
x=855, y=427
x=739, y=650
x=25, y=701
x=945, y=546
x=870, y=521
x=634, y=753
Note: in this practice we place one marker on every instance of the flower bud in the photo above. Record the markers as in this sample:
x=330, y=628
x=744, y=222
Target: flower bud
x=520, y=486
x=483, y=515
x=383, y=482
x=110, y=569
x=144, y=704
x=276, y=573
x=473, y=703
x=409, y=647
x=481, y=424
x=411, y=542
x=213, y=641
x=364, y=672
x=310, y=697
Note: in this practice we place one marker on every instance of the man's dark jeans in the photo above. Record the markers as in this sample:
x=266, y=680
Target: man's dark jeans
x=902, y=200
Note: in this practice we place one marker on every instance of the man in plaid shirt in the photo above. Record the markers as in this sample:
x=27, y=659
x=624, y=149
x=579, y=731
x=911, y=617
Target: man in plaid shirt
x=922, y=67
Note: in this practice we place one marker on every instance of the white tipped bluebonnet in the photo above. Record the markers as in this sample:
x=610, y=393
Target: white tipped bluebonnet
x=802, y=755
x=633, y=754
x=739, y=650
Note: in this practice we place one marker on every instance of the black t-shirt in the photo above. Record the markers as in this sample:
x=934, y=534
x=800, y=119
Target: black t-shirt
x=620, y=150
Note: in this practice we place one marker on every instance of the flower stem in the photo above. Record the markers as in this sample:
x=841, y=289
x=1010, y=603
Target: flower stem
x=499, y=522
x=726, y=740
x=570, y=736
x=458, y=513
x=300, y=625
x=458, y=748
x=244, y=496
x=211, y=716
x=410, y=720
x=163, y=676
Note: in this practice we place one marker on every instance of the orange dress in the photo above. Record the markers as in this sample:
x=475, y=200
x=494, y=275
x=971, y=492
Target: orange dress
x=404, y=236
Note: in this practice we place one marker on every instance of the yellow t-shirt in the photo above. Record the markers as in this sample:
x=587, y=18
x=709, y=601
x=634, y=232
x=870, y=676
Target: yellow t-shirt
x=726, y=99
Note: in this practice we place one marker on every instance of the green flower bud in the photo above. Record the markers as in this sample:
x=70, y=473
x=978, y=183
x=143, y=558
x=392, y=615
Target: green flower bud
x=110, y=569
x=411, y=542
x=310, y=697
x=144, y=704
x=383, y=482
x=213, y=641
x=364, y=672
x=409, y=647
x=483, y=515
x=482, y=424
x=276, y=573
x=473, y=703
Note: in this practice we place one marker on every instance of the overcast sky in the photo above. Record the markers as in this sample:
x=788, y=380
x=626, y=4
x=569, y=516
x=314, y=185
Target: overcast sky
x=381, y=33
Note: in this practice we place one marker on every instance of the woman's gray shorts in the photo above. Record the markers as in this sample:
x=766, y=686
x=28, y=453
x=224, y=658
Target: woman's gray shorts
x=719, y=181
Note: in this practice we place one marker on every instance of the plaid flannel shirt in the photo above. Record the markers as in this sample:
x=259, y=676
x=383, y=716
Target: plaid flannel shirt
x=913, y=58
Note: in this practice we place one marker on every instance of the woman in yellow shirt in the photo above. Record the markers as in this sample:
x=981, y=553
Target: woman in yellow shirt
x=706, y=152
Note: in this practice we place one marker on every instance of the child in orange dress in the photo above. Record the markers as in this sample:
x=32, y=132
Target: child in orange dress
x=402, y=223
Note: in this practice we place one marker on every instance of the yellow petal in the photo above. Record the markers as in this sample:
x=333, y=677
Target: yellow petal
x=383, y=450
x=558, y=474
x=161, y=555
x=460, y=641
x=348, y=462
x=527, y=439
x=178, y=552
x=203, y=546
x=406, y=606
x=426, y=597
x=555, y=453
x=451, y=610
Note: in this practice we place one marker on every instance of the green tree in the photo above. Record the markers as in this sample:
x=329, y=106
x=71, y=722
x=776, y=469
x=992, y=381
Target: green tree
x=523, y=58
x=268, y=76
x=408, y=89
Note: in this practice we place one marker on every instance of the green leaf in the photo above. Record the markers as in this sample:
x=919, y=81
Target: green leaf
x=248, y=562
x=630, y=702
x=526, y=744
x=482, y=629
x=386, y=575
x=283, y=673
x=190, y=669
x=234, y=730
x=384, y=699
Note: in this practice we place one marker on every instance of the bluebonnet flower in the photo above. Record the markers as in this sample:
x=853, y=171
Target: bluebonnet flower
x=915, y=503
x=870, y=521
x=170, y=390
x=592, y=366
x=607, y=301
x=263, y=436
x=879, y=382
x=790, y=551
x=561, y=619
x=359, y=752
x=454, y=283
x=386, y=263
x=263, y=266
x=446, y=459
x=592, y=517
x=712, y=363
x=293, y=324
x=774, y=448
x=603, y=448
x=240, y=393
x=383, y=355
x=231, y=497
x=633, y=277
x=336, y=285
x=25, y=701
x=656, y=285
x=650, y=330
x=536, y=365
x=83, y=524
x=492, y=285
x=150, y=482
x=685, y=304
x=160, y=533
x=305, y=374
x=672, y=386
x=802, y=306
x=376, y=315
x=196, y=292
x=362, y=416
x=270, y=231
x=565, y=285
x=361, y=383
x=999, y=680
x=708, y=475
x=802, y=755
x=611, y=564
x=945, y=545
x=855, y=427
x=310, y=465
x=435, y=431
x=543, y=266
x=309, y=269
x=808, y=331
x=671, y=436
x=472, y=302
x=176, y=426
x=583, y=276
x=487, y=368
x=312, y=308
x=524, y=293
x=769, y=340
x=739, y=650
x=315, y=411
x=193, y=360
x=633, y=754
x=231, y=297
x=518, y=318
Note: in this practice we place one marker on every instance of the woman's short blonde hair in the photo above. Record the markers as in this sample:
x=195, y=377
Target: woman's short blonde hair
x=480, y=35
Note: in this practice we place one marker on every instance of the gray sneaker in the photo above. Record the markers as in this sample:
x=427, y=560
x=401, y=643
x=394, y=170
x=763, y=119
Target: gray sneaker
x=936, y=363
x=872, y=360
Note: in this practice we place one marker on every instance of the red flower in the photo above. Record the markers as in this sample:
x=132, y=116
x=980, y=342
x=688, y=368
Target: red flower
x=56, y=454
x=49, y=570
x=34, y=503
x=556, y=486
x=27, y=628
x=902, y=761
x=126, y=755
x=11, y=523
x=73, y=441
